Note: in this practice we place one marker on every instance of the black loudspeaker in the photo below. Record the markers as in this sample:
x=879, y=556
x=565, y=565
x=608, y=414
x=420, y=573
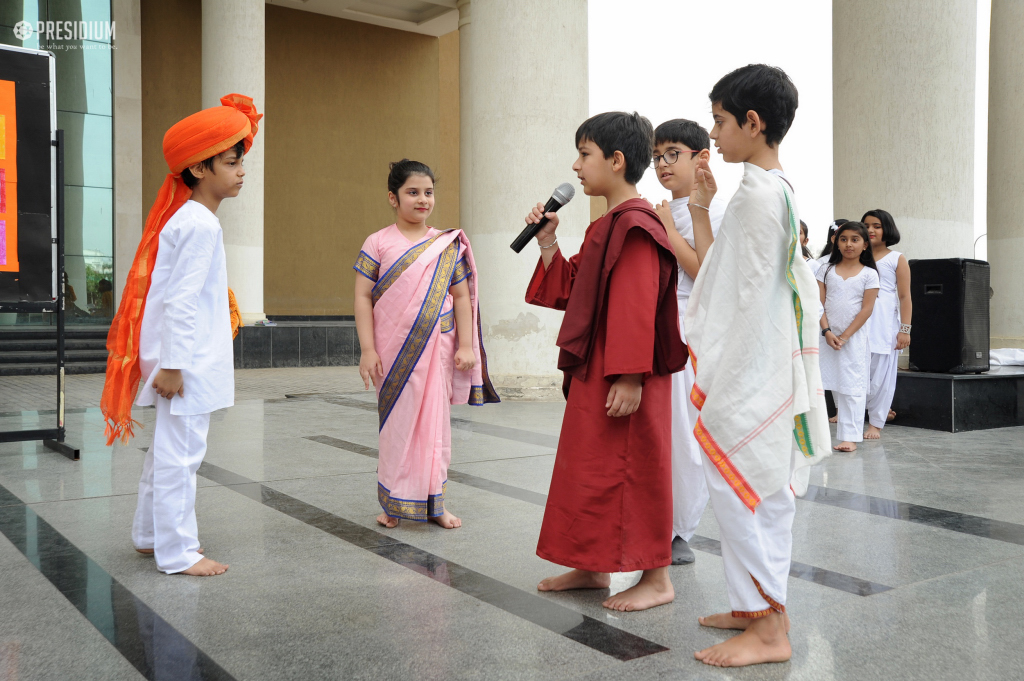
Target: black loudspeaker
x=951, y=322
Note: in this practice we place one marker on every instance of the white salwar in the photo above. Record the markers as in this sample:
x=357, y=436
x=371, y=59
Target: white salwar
x=883, y=326
x=689, y=488
x=752, y=330
x=187, y=326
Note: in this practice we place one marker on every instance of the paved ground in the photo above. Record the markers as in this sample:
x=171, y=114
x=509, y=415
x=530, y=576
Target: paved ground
x=909, y=557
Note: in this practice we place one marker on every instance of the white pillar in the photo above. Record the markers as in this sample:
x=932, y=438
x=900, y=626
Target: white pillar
x=128, y=213
x=523, y=93
x=234, y=56
x=1006, y=174
x=903, y=109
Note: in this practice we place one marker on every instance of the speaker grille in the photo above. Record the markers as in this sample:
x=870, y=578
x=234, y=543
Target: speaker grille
x=976, y=317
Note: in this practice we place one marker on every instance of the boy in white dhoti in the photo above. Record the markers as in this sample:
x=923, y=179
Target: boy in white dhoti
x=173, y=330
x=678, y=145
x=753, y=335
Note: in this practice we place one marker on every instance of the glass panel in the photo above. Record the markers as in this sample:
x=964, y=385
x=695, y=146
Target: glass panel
x=13, y=11
x=83, y=77
x=88, y=221
x=95, y=12
x=89, y=142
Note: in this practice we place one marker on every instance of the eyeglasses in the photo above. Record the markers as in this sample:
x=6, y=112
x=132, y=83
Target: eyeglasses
x=671, y=156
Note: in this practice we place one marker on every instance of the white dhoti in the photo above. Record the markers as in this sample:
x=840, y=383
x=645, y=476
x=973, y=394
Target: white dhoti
x=884, y=368
x=850, y=427
x=756, y=545
x=689, y=488
x=165, y=517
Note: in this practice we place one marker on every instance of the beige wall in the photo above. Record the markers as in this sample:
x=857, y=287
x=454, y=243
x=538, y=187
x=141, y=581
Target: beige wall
x=172, y=67
x=345, y=99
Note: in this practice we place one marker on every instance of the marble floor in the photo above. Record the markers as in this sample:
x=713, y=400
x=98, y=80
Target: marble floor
x=908, y=557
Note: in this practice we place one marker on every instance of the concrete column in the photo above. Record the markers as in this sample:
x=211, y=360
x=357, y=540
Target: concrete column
x=234, y=58
x=903, y=101
x=523, y=93
x=128, y=211
x=1006, y=174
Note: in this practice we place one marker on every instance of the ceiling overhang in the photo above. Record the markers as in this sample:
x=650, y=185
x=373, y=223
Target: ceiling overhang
x=429, y=17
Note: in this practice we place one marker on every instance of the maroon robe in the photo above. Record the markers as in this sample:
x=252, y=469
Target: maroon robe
x=609, y=508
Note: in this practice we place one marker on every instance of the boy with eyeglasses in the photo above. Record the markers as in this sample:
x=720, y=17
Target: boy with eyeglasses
x=679, y=145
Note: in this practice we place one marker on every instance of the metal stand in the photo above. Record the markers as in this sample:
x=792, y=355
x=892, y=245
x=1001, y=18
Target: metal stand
x=53, y=438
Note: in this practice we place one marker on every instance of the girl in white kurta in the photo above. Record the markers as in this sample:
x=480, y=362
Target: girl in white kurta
x=849, y=286
x=889, y=326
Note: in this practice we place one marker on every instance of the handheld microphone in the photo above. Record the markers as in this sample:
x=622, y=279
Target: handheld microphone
x=562, y=195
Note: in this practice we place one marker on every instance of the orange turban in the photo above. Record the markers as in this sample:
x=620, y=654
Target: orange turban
x=201, y=136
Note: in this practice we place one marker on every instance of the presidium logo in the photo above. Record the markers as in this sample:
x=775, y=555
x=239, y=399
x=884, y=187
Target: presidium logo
x=96, y=31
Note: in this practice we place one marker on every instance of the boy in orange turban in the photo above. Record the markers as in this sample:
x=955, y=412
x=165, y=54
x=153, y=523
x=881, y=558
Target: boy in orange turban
x=172, y=332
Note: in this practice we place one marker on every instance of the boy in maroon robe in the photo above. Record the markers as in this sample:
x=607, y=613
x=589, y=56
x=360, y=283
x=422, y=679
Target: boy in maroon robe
x=610, y=504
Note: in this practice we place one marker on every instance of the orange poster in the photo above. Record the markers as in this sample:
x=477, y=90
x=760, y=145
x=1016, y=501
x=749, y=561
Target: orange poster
x=8, y=179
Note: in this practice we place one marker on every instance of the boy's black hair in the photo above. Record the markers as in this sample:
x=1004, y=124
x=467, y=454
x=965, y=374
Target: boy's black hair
x=890, y=235
x=191, y=180
x=836, y=224
x=632, y=134
x=401, y=170
x=803, y=234
x=682, y=131
x=761, y=88
x=867, y=257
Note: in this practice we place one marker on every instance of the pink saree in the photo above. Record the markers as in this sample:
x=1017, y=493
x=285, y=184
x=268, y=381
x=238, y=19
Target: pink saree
x=415, y=336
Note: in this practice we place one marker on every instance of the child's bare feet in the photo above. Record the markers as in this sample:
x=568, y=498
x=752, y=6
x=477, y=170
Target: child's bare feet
x=653, y=589
x=206, y=568
x=387, y=521
x=845, y=447
x=576, y=579
x=872, y=433
x=447, y=520
x=833, y=419
x=725, y=620
x=891, y=416
x=764, y=640
x=149, y=552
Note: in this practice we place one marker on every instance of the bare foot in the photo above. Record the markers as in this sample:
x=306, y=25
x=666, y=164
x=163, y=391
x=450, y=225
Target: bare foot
x=872, y=433
x=845, y=447
x=576, y=579
x=387, y=521
x=206, y=568
x=891, y=416
x=149, y=552
x=833, y=419
x=764, y=640
x=447, y=520
x=725, y=620
x=653, y=589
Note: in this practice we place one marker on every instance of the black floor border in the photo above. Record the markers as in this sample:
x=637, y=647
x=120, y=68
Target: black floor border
x=146, y=640
x=545, y=613
x=954, y=521
x=809, y=573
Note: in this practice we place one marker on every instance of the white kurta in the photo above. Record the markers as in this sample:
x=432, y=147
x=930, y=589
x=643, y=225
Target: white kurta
x=689, y=489
x=846, y=370
x=187, y=321
x=884, y=323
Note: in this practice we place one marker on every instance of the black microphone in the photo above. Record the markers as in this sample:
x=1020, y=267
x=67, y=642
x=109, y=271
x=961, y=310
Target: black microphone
x=562, y=195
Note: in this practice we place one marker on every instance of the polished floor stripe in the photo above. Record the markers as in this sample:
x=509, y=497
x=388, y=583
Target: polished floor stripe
x=146, y=640
x=964, y=523
x=545, y=613
x=954, y=521
x=809, y=573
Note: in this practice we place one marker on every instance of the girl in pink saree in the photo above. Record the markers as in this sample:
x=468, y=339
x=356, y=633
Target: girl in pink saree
x=417, y=315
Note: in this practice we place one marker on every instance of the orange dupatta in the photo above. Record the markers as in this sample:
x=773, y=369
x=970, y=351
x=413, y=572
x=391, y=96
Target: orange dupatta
x=192, y=140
